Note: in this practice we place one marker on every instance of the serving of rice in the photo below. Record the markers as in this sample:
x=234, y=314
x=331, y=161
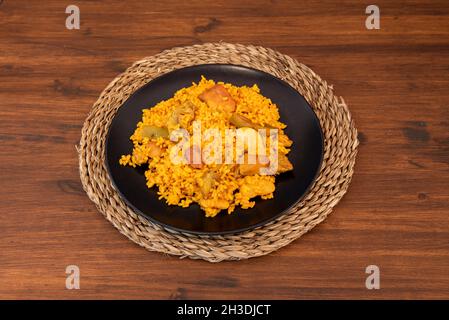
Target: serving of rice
x=214, y=186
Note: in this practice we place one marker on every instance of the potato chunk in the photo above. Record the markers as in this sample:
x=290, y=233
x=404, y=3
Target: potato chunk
x=207, y=182
x=182, y=115
x=153, y=132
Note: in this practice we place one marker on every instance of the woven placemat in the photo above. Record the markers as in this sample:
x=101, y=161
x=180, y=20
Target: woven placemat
x=340, y=148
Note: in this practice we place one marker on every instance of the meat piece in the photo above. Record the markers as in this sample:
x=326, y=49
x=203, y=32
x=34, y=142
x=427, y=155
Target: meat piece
x=215, y=203
x=154, y=150
x=253, y=188
x=218, y=98
x=241, y=121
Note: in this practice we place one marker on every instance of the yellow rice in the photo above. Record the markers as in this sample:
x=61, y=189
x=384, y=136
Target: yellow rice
x=180, y=184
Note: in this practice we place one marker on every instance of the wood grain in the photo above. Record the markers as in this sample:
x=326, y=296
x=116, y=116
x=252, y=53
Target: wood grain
x=395, y=215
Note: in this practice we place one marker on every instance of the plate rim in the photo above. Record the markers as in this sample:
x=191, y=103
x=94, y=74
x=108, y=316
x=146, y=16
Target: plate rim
x=212, y=233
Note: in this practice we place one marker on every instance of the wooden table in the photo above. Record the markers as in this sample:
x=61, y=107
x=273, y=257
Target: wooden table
x=395, y=81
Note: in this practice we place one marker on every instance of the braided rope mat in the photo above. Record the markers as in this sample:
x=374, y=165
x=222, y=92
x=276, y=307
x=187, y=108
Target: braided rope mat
x=340, y=138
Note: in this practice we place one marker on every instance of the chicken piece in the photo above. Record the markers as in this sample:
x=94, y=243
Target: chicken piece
x=241, y=121
x=252, y=188
x=214, y=203
x=153, y=132
x=142, y=153
x=284, y=164
x=250, y=169
x=139, y=158
x=247, y=169
x=218, y=98
x=154, y=150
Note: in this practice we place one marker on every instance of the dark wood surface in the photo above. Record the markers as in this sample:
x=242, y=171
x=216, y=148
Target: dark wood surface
x=395, y=81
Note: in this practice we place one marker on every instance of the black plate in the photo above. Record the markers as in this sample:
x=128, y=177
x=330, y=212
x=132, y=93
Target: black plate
x=306, y=153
